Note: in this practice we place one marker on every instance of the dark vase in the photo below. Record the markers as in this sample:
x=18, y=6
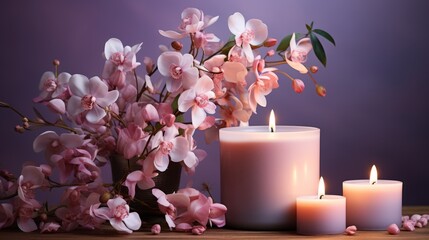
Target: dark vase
x=145, y=203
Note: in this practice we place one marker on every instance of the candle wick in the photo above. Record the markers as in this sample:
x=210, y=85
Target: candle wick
x=373, y=182
x=272, y=129
x=321, y=196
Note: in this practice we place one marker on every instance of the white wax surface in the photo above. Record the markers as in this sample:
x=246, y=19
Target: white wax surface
x=263, y=172
x=373, y=206
x=321, y=216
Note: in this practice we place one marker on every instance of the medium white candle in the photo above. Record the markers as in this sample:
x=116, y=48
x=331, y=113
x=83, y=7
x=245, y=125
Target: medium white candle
x=373, y=204
x=262, y=173
x=321, y=214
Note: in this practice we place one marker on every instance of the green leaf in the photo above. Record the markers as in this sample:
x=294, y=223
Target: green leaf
x=318, y=48
x=324, y=34
x=284, y=43
x=227, y=47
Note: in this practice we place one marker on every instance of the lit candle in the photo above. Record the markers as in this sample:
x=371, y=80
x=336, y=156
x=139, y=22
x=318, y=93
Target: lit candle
x=263, y=170
x=321, y=214
x=373, y=204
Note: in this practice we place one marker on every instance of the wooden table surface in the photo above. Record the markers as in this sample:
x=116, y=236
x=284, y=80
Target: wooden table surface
x=110, y=234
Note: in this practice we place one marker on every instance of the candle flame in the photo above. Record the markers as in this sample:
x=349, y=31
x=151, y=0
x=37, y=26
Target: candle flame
x=373, y=176
x=321, y=191
x=272, y=123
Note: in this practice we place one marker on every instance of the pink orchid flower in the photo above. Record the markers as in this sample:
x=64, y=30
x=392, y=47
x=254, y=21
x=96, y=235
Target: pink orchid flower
x=172, y=205
x=297, y=54
x=89, y=97
x=168, y=146
x=198, y=98
x=131, y=141
x=53, y=87
x=253, y=32
x=6, y=215
x=118, y=214
x=31, y=178
x=141, y=179
x=119, y=61
x=178, y=69
x=193, y=21
x=78, y=161
x=265, y=82
x=25, y=219
x=52, y=143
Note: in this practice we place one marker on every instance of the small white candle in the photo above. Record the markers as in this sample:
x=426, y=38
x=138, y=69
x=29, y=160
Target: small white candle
x=321, y=214
x=373, y=204
x=263, y=170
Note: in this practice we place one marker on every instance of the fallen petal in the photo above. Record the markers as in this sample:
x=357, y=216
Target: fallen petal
x=419, y=225
x=423, y=221
x=416, y=217
x=393, y=229
x=408, y=225
x=405, y=218
x=351, y=230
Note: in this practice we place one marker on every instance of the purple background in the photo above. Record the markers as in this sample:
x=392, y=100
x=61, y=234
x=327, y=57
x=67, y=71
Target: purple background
x=375, y=112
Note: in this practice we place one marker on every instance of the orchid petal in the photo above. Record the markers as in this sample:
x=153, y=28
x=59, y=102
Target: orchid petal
x=133, y=221
x=259, y=29
x=112, y=46
x=297, y=66
x=236, y=23
x=119, y=225
x=198, y=116
x=78, y=85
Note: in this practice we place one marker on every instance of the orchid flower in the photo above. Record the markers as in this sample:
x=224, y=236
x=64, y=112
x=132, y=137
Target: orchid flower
x=168, y=146
x=131, y=141
x=140, y=178
x=298, y=53
x=89, y=97
x=178, y=69
x=199, y=99
x=265, y=82
x=193, y=21
x=119, y=61
x=31, y=178
x=53, y=87
x=253, y=32
x=118, y=214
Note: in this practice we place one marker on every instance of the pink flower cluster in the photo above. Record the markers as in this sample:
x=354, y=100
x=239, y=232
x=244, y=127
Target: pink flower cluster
x=189, y=210
x=149, y=116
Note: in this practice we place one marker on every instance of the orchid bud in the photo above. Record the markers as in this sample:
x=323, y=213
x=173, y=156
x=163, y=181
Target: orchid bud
x=156, y=229
x=321, y=91
x=106, y=196
x=26, y=125
x=148, y=62
x=43, y=217
x=298, y=85
x=56, y=62
x=270, y=42
x=19, y=129
x=314, y=69
x=176, y=45
x=24, y=119
x=271, y=53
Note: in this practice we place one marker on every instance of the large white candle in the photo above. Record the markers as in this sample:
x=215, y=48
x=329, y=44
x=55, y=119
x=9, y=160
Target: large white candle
x=373, y=204
x=262, y=173
x=321, y=214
